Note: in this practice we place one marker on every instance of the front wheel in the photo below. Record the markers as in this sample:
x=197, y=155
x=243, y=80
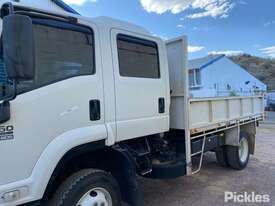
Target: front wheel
x=88, y=187
x=238, y=157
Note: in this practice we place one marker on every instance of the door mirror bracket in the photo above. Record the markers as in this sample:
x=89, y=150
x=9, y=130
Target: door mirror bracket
x=4, y=111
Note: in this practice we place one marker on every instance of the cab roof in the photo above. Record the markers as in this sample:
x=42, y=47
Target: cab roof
x=100, y=21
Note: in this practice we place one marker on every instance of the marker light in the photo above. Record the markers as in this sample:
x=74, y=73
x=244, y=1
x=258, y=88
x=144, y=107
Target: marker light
x=11, y=196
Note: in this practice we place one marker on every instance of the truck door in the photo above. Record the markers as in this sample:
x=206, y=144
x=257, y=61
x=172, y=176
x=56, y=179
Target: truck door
x=65, y=96
x=141, y=79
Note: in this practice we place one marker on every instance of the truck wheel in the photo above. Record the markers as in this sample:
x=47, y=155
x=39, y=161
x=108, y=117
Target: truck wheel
x=238, y=157
x=221, y=156
x=88, y=187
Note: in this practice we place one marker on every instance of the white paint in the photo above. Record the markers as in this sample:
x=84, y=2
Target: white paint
x=137, y=107
x=177, y=55
x=210, y=112
x=40, y=4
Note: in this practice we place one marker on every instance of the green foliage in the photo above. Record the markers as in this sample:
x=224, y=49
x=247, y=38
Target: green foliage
x=233, y=94
x=262, y=68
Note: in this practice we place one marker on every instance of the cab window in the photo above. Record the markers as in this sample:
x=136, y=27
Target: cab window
x=138, y=57
x=62, y=51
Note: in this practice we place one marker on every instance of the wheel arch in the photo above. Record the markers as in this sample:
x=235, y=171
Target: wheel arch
x=114, y=160
x=70, y=162
x=57, y=151
x=232, y=135
x=250, y=130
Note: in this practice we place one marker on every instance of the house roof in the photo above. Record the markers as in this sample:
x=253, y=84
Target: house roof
x=65, y=6
x=204, y=62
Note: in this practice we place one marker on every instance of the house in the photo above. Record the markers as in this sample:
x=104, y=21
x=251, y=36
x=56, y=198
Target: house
x=51, y=5
x=217, y=75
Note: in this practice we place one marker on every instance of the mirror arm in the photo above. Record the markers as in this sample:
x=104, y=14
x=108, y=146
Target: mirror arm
x=14, y=83
x=5, y=111
x=14, y=90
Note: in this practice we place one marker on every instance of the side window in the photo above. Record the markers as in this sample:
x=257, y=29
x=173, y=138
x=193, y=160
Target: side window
x=62, y=51
x=138, y=57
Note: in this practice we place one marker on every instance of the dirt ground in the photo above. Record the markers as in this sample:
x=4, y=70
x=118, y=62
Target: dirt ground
x=207, y=188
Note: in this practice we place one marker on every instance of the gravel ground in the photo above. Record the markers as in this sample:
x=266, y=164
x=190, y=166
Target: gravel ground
x=207, y=187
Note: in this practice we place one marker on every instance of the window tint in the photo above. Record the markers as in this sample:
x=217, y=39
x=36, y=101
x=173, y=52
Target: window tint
x=137, y=57
x=62, y=51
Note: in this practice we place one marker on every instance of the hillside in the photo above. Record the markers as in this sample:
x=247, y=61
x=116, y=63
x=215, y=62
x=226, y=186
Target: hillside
x=262, y=69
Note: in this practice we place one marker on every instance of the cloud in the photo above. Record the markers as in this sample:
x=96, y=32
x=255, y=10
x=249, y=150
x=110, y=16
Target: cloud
x=78, y=2
x=193, y=49
x=162, y=36
x=162, y=6
x=269, y=23
x=227, y=52
x=212, y=8
x=269, y=51
x=204, y=8
x=181, y=26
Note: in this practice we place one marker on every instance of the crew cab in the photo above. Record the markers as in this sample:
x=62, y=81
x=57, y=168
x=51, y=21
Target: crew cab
x=87, y=104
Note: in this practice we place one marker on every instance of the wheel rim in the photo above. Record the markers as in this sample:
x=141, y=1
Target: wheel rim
x=243, y=150
x=96, y=197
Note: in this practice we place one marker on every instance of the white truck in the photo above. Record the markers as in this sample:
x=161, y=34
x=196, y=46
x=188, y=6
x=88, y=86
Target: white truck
x=88, y=104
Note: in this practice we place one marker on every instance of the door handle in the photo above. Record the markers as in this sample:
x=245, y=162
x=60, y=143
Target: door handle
x=161, y=105
x=95, y=110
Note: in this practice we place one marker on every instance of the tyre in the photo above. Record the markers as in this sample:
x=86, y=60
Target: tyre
x=221, y=156
x=88, y=187
x=238, y=157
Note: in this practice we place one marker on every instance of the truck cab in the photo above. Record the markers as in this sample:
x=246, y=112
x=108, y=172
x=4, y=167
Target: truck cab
x=90, y=103
x=89, y=80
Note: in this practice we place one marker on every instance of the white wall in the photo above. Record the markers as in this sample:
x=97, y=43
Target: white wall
x=224, y=72
x=41, y=4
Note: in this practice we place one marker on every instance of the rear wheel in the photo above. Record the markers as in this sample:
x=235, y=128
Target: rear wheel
x=88, y=188
x=238, y=156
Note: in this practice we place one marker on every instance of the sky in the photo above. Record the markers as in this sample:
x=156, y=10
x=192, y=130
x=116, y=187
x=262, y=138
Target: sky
x=212, y=26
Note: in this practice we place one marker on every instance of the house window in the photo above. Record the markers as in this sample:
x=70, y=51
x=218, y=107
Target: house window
x=195, y=78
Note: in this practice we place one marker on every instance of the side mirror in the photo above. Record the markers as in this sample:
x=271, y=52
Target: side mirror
x=18, y=45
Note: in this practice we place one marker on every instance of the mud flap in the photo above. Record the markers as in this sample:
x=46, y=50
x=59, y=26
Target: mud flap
x=132, y=194
x=127, y=178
